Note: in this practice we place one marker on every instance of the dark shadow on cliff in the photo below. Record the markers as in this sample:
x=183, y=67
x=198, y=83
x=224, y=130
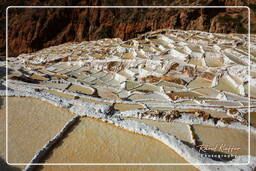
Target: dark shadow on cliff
x=41, y=28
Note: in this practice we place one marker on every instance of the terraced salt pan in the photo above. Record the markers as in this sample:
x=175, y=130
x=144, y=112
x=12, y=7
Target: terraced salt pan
x=107, y=93
x=217, y=114
x=228, y=137
x=180, y=95
x=252, y=90
x=59, y=93
x=39, y=77
x=147, y=96
x=125, y=107
x=180, y=130
x=161, y=68
x=90, y=100
x=214, y=59
x=200, y=82
x=94, y=141
x=171, y=85
x=226, y=83
x=146, y=87
x=186, y=102
x=55, y=85
x=253, y=118
x=27, y=125
x=84, y=90
x=3, y=164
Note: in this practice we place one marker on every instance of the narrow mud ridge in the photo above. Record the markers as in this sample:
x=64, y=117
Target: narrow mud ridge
x=50, y=145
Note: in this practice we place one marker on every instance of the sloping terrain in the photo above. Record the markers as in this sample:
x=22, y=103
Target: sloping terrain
x=187, y=89
x=34, y=29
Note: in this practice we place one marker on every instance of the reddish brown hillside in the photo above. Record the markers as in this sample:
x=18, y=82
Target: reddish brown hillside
x=34, y=29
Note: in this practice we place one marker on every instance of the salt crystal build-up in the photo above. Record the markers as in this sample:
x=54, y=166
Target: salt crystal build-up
x=186, y=89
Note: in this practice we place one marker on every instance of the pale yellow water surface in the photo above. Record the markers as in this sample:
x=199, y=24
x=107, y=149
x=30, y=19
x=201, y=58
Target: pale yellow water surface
x=226, y=137
x=31, y=124
x=178, y=129
x=96, y=142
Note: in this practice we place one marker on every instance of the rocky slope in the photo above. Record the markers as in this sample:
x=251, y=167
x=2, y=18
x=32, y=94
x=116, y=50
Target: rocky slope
x=40, y=28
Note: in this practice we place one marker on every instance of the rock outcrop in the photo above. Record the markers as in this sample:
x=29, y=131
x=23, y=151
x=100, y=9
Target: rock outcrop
x=34, y=29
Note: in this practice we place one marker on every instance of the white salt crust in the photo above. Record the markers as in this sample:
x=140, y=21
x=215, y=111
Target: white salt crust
x=100, y=111
x=232, y=63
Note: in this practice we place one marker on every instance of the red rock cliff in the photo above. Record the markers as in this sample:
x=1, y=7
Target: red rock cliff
x=34, y=29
